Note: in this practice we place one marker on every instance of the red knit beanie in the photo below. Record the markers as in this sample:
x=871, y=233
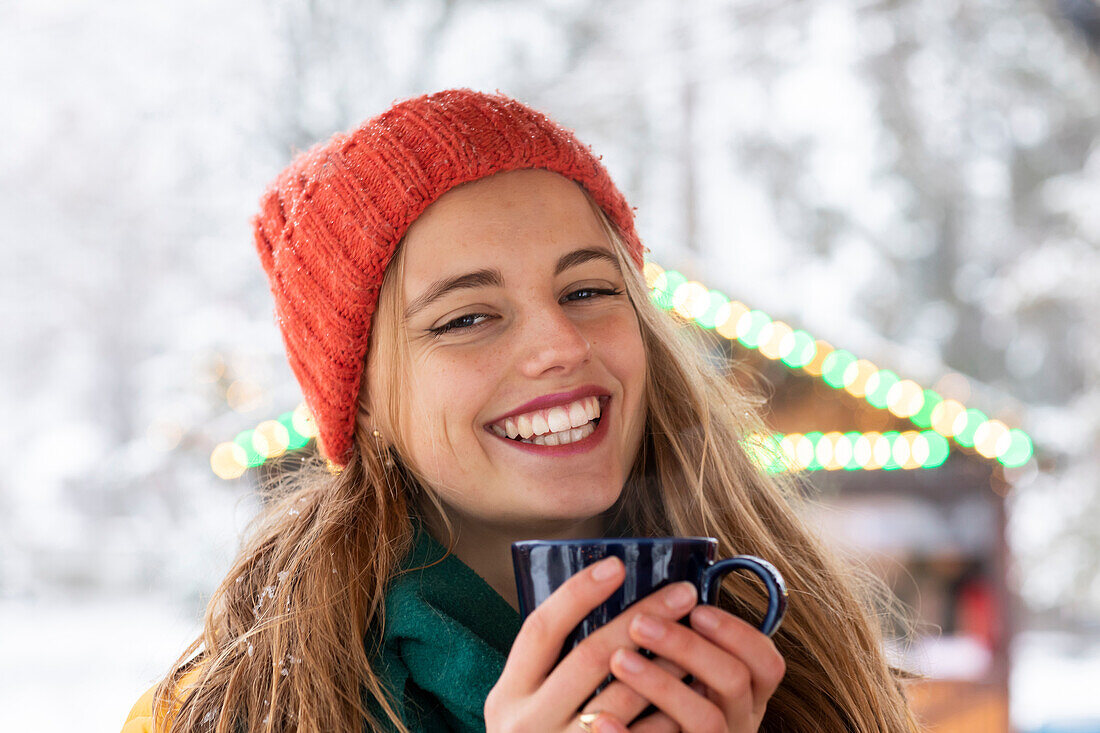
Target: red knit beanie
x=329, y=224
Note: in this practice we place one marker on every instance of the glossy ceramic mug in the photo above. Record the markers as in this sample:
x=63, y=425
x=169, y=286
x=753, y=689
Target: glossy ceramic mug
x=542, y=566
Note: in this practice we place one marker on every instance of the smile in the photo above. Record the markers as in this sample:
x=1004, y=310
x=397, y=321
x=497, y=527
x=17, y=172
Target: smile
x=559, y=425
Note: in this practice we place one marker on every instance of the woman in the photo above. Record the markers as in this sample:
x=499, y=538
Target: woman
x=517, y=383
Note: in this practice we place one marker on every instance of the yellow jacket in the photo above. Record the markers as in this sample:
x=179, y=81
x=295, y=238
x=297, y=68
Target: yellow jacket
x=140, y=719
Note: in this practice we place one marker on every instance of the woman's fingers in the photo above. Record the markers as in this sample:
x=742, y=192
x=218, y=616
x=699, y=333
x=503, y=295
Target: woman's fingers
x=540, y=639
x=743, y=640
x=587, y=665
x=738, y=665
x=656, y=723
x=624, y=700
x=690, y=710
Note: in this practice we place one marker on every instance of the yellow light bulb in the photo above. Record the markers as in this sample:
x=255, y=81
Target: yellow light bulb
x=270, y=438
x=691, y=300
x=842, y=451
x=804, y=453
x=906, y=398
x=772, y=338
x=727, y=317
x=228, y=460
x=652, y=271
x=990, y=436
x=882, y=450
x=901, y=451
x=303, y=421
x=856, y=376
x=790, y=446
x=824, y=452
x=863, y=451
x=918, y=452
x=824, y=348
x=944, y=416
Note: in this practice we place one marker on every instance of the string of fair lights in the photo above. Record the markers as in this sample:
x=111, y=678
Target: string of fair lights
x=940, y=421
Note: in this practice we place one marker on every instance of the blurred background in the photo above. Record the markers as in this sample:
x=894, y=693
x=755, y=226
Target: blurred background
x=890, y=208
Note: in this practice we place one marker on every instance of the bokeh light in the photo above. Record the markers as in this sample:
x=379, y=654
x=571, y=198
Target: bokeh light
x=652, y=271
x=228, y=460
x=1019, y=449
x=665, y=285
x=857, y=375
x=835, y=366
x=773, y=337
x=879, y=386
x=944, y=416
x=709, y=318
x=691, y=300
x=303, y=422
x=270, y=438
x=816, y=366
x=991, y=439
x=253, y=457
x=727, y=317
x=923, y=417
x=800, y=351
x=905, y=399
x=966, y=426
x=751, y=326
x=295, y=440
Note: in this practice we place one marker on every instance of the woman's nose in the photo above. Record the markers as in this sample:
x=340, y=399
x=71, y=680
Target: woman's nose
x=552, y=342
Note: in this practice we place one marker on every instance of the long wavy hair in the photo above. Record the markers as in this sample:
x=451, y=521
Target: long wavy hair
x=289, y=634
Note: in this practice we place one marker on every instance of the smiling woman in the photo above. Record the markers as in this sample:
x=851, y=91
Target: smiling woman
x=522, y=327
x=458, y=284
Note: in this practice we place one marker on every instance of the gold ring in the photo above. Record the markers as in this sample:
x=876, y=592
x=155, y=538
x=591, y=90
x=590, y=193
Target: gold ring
x=587, y=719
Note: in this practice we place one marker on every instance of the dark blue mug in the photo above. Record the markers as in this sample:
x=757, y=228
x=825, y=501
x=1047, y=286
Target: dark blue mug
x=651, y=563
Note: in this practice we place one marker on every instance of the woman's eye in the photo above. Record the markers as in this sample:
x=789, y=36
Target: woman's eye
x=467, y=321
x=589, y=293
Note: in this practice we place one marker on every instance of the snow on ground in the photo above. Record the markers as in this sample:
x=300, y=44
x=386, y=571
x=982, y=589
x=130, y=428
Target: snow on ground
x=80, y=665
x=1055, y=677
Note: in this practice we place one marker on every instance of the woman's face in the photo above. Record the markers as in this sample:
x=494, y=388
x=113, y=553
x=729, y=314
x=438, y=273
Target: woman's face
x=519, y=326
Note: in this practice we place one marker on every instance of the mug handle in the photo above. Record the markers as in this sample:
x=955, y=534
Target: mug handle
x=777, y=589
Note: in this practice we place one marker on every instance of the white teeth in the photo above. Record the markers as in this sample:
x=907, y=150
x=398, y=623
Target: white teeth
x=564, y=438
x=558, y=419
x=539, y=425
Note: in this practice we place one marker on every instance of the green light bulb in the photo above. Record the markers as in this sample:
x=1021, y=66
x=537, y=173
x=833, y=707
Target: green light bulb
x=834, y=367
x=1020, y=449
x=879, y=385
x=244, y=440
x=938, y=449
x=974, y=418
x=923, y=418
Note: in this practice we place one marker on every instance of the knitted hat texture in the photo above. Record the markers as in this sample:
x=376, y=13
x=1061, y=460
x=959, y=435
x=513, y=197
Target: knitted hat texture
x=329, y=224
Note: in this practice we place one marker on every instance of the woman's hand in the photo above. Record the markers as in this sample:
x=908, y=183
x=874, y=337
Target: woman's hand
x=736, y=670
x=534, y=694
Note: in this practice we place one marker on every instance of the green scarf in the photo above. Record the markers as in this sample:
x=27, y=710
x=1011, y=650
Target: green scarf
x=446, y=637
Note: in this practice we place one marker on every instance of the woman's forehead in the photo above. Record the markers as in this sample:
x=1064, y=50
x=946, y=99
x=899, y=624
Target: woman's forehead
x=500, y=221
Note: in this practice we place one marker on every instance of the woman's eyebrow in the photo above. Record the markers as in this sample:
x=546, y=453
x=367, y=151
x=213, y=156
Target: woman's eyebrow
x=580, y=256
x=435, y=291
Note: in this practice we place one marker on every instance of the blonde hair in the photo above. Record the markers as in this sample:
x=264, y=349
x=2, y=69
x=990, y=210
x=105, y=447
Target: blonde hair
x=288, y=635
